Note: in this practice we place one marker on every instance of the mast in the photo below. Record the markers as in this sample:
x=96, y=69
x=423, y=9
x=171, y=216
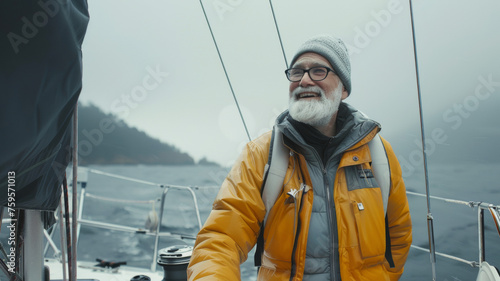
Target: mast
x=430, y=219
x=74, y=194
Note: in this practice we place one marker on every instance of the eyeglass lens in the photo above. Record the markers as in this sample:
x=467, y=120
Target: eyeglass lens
x=315, y=73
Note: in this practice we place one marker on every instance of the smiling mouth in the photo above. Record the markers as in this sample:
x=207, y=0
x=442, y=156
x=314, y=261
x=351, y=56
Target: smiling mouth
x=307, y=95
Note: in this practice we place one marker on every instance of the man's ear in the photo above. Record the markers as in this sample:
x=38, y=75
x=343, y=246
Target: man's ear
x=344, y=93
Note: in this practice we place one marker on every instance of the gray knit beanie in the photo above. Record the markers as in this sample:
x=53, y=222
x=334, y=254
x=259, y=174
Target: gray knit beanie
x=332, y=49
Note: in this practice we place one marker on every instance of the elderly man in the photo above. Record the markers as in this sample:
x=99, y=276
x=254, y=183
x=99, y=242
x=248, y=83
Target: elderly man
x=330, y=220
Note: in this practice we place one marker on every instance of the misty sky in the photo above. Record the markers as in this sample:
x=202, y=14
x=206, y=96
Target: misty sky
x=153, y=63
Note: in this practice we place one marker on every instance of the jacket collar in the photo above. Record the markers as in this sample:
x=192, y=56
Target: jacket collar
x=354, y=129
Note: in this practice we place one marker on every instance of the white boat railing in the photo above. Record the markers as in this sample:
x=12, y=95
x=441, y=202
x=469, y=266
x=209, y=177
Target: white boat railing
x=482, y=206
x=157, y=233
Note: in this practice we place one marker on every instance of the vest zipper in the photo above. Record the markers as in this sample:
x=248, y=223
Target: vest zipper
x=330, y=221
x=329, y=199
x=330, y=224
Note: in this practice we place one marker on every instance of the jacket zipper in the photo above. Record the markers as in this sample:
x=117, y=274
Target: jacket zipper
x=297, y=230
x=303, y=189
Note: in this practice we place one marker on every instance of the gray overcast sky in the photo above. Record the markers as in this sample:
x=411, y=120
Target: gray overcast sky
x=187, y=101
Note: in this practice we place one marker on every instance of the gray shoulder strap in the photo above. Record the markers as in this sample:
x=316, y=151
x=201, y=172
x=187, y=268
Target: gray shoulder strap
x=380, y=168
x=276, y=169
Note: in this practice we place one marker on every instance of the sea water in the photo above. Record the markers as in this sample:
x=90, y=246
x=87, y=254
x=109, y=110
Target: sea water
x=455, y=225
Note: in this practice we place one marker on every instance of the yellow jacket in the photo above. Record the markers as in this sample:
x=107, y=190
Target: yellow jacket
x=233, y=226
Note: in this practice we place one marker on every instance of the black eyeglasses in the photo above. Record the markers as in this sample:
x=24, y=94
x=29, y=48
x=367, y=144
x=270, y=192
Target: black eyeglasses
x=315, y=73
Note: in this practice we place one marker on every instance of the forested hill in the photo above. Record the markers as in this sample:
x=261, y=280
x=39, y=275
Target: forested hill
x=103, y=139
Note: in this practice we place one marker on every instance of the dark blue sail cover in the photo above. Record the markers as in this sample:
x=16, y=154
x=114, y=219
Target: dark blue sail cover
x=40, y=82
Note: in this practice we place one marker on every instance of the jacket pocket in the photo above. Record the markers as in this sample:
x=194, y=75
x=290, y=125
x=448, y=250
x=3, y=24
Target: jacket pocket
x=283, y=227
x=279, y=233
x=370, y=224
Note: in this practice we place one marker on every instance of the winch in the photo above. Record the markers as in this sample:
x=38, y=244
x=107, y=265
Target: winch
x=175, y=260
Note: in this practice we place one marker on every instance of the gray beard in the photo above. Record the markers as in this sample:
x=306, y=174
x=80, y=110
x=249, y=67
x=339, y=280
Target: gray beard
x=316, y=113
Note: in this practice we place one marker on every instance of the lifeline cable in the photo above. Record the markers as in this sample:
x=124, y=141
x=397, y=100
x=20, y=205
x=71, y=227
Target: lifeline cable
x=430, y=219
x=224, y=67
x=119, y=200
x=148, y=182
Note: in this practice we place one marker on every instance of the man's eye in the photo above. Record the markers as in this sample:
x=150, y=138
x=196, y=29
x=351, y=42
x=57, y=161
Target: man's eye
x=318, y=71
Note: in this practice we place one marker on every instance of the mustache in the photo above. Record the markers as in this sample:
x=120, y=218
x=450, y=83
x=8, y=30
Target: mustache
x=314, y=89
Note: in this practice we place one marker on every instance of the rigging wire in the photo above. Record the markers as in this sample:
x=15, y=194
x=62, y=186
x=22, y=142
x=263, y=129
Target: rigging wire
x=278, y=31
x=224, y=67
x=430, y=219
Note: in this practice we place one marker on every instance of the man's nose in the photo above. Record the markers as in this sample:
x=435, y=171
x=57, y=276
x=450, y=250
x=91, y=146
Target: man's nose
x=306, y=80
